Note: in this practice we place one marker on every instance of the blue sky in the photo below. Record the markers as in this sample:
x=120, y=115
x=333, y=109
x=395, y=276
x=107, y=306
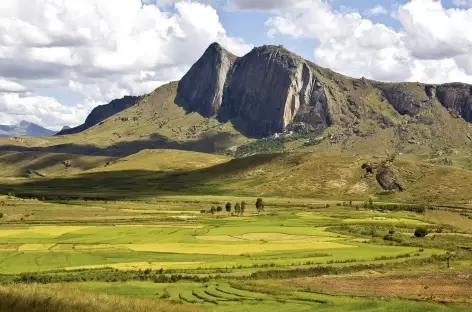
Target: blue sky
x=87, y=53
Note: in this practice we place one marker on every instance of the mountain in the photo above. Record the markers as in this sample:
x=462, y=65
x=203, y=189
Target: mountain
x=271, y=100
x=25, y=128
x=65, y=128
x=102, y=112
x=270, y=89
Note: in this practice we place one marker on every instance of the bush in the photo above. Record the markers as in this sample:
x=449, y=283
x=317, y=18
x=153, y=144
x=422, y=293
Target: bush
x=228, y=207
x=219, y=209
x=1, y=215
x=421, y=232
x=260, y=205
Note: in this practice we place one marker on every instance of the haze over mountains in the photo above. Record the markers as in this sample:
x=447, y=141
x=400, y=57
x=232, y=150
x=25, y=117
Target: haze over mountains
x=25, y=128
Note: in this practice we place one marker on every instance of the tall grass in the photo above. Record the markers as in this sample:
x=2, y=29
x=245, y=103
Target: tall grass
x=63, y=298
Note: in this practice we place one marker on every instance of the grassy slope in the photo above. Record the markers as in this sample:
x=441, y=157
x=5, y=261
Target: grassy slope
x=155, y=122
x=61, y=298
x=322, y=175
x=16, y=164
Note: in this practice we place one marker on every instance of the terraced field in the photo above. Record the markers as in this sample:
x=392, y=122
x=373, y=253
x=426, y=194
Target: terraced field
x=199, y=242
x=168, y=250
x=228, y=296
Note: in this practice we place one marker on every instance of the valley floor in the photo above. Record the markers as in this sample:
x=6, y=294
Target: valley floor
x=171, y=253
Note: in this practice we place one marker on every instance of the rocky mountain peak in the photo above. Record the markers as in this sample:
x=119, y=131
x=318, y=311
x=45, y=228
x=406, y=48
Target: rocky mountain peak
x=261, y=92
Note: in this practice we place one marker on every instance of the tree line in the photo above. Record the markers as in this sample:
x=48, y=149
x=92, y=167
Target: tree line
x=238, y=209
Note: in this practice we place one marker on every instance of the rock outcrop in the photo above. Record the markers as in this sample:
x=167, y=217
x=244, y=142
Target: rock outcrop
x=456, y=97
x=201, y=89
x=384, y=175
x=265, y=91
x=102, y=112
x=262, y=92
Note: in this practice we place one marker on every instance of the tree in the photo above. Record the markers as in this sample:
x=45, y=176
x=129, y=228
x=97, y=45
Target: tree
x=371, y=203
x=421, y=232
x=228, y=207
x=243, y=207
x=213, y=210
x=237, y=209
x=219, y=209
x=260, y=205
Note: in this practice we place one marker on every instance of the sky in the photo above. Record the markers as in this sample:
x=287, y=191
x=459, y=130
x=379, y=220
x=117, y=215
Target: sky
x=61, y=58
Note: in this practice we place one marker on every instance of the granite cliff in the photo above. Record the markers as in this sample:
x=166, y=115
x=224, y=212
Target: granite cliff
x=270, y=89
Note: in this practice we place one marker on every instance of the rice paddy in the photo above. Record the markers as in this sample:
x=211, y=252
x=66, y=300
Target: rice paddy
x=99, y=242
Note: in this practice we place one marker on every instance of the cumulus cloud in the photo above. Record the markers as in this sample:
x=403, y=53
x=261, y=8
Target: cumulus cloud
x=377, y=10
x=103, y=49
x=433, y=44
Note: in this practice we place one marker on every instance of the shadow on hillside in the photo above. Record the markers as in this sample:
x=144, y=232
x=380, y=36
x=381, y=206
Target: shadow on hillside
x=209, y=143
x=134, y=184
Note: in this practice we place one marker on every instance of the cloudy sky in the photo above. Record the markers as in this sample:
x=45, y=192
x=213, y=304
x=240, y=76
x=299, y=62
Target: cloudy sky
x=61, y=58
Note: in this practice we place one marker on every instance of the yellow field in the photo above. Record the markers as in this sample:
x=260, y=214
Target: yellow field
x=53, y=231
x=35, y=247
x=225, y=249
x=159, y=211
x=127, y=266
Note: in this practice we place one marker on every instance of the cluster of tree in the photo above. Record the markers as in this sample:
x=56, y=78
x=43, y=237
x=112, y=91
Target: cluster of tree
x=395, y=207
x=238, y=209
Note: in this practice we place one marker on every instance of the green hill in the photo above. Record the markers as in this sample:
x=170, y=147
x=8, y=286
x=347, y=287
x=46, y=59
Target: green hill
x=309, y=175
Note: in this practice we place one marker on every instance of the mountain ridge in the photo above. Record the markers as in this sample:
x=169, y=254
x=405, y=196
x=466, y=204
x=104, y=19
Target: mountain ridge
x=272, y=100
x=270, y=88
x=25, y=128
x=102, y=112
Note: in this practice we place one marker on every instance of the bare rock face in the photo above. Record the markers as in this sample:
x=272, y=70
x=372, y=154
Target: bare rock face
x=403, y=98
x=271, y=88
x=384, y=175
x=430, y=91
x=456, y=97
x=262, y=92
x=201, y=89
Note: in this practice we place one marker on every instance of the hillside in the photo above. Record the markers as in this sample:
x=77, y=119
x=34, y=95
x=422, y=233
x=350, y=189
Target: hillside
x=225, y=105
x=24, y=128
x=39, y=164
x=101, y=113
x=321, y=175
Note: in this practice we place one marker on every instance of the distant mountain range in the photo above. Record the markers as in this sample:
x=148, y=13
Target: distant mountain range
x=25, y=128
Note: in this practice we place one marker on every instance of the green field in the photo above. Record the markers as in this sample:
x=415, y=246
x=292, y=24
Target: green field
x=167, y=250
x=193, y=241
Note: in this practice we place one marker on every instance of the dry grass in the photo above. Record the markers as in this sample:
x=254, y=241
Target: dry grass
x=441, y=286
x=64, y=298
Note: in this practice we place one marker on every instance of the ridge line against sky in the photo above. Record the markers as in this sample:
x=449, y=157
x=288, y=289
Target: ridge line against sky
x=61, y=58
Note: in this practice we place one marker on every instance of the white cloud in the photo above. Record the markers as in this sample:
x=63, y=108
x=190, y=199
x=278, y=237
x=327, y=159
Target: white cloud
x=433, y=44
x=259, y=4
x=377, y=10
x=10, y=86
x=103, y=49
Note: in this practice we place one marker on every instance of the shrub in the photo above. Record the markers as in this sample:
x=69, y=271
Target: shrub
x=243, y=207
x=421, y=232
x=237, y=208
x=213, y=210
x=1, y=215
x=219, y=209
x=260, y=205
x=228, y=207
